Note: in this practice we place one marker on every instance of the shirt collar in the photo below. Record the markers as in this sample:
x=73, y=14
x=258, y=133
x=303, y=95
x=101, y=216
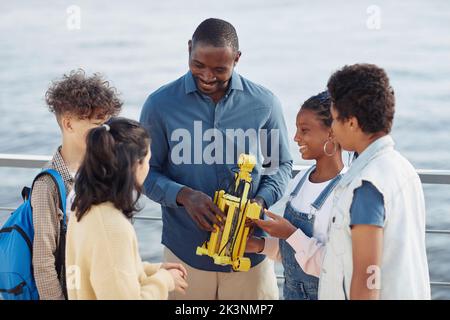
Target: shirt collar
x=379, y=145
x=191, y=86
x=59, y=165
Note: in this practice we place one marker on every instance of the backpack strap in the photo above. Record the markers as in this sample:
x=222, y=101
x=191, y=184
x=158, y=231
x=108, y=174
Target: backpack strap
x=60, y=260
x=61, y=188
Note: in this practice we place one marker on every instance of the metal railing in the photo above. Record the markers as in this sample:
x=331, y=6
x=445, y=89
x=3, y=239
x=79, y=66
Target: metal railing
x=33, y=161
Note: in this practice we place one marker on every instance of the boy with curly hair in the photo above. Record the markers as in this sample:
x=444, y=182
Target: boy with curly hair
x=376, y=241
x=79, y=103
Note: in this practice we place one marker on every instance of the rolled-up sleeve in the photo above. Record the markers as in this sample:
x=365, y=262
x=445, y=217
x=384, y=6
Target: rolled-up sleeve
x=367, y=206
x=272, y=248
x=309, y=252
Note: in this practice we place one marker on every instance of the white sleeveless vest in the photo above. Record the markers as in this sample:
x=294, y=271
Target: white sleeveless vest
x=404, y=266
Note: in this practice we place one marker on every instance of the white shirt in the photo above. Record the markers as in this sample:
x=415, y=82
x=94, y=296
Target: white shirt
x=308, y=251
x=308, y=193
x=70, y=198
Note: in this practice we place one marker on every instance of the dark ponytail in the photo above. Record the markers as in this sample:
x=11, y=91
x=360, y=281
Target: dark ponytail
x=108, y=169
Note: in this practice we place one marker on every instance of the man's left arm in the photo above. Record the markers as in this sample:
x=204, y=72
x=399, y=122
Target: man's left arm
x=278, y=162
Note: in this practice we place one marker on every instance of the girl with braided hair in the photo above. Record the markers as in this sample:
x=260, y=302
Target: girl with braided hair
x=298, y=238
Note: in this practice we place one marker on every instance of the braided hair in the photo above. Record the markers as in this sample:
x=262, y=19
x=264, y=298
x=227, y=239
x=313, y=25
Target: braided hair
x=320, y=104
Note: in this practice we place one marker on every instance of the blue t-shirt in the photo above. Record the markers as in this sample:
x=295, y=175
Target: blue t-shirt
x=367, y=206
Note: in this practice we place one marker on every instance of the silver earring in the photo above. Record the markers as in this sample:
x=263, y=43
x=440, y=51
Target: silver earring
x=325, y=148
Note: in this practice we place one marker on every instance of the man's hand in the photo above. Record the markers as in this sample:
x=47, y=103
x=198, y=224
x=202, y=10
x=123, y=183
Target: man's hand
x=278, y=227
x=259, y=201
x=201, y=208
x=254, y=245
x=249, y=222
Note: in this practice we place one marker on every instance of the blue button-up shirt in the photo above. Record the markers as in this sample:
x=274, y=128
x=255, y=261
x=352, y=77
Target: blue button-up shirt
x=196, y=143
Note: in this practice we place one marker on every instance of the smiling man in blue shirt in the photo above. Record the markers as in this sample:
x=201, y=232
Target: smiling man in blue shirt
x=199, y=124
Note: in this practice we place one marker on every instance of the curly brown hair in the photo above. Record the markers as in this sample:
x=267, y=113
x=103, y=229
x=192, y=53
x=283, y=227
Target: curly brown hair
x=363, y=91
x=84, y=97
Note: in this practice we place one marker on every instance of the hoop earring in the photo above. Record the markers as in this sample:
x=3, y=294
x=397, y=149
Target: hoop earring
x=325, y=148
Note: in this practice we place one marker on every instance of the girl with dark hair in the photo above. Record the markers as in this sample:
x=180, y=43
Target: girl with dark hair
x=102, y=256
x=298, y=237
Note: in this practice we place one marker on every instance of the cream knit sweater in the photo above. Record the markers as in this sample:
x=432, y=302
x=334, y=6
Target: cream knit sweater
x=103, y=261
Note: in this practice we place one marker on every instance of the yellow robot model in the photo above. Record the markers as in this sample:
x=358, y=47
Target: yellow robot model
x=228, y=246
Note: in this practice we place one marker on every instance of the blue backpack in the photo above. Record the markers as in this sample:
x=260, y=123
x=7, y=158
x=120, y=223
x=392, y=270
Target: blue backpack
x=16, y=247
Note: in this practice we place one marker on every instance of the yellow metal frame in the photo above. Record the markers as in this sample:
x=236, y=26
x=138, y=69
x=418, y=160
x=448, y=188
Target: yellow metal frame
x=227, y=247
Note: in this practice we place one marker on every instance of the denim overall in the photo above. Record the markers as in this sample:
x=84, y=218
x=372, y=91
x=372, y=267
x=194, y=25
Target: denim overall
x=299, y=285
